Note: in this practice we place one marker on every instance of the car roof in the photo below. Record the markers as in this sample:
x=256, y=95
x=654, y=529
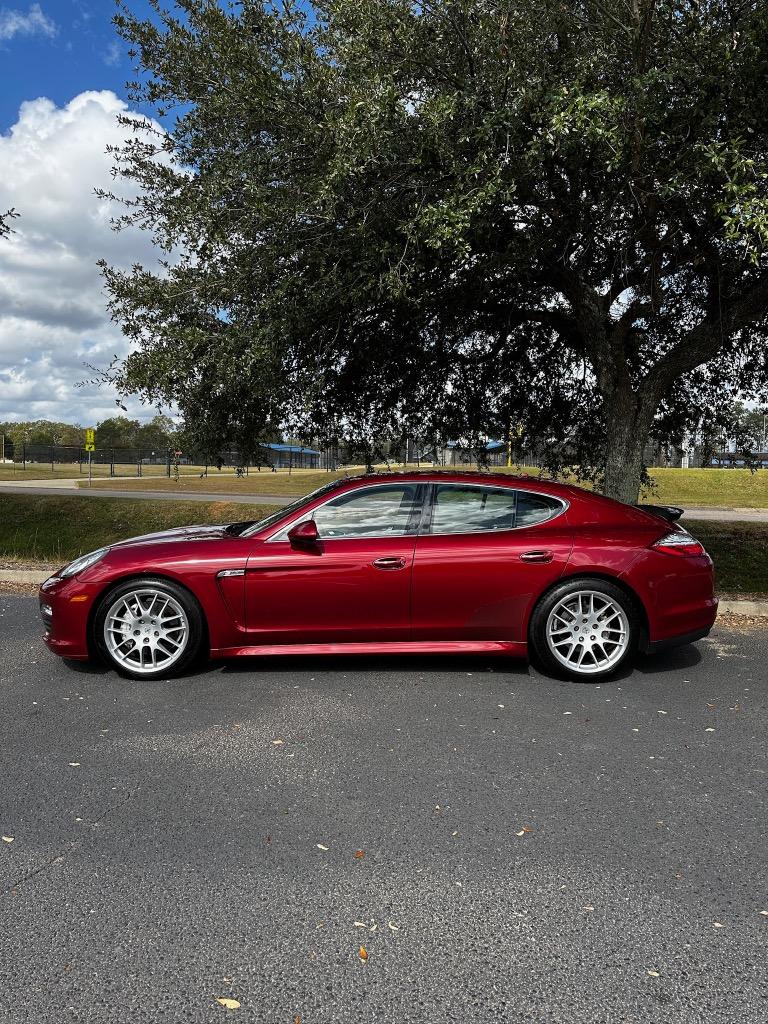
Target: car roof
x=460, y=476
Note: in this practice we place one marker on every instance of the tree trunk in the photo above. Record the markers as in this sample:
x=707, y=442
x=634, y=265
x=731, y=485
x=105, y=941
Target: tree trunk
x=627, y=423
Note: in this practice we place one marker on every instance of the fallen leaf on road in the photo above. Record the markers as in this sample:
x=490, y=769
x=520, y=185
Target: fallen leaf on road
x=363, y=954
x=229, y=1004
x=359, y=854
x=8, y=839
x=321, y=847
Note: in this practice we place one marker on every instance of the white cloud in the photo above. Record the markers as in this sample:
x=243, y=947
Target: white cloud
x=113, y=54
x=53, y=315
x=34, y=22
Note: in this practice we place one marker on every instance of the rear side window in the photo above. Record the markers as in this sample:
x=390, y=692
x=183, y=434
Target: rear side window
x=533, y=509
x=460, y=508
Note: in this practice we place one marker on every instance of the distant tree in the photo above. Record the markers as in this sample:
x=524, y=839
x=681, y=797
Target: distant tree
x=158, y=433
x=117, y=432
x=453, y=215
x=42, y=432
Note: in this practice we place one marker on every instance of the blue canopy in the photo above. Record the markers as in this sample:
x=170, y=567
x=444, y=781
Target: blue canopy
x=296, y=448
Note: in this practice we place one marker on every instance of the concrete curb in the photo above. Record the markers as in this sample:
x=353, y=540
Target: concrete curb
x=729, y=607
x=25, y=575
x=758, y=608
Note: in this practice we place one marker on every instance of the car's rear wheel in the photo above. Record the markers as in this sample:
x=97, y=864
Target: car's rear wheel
x=149, y=629
x=585, y=629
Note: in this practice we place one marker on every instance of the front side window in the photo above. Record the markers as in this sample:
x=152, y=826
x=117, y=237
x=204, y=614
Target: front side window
x=476, y=509
x=381, y=511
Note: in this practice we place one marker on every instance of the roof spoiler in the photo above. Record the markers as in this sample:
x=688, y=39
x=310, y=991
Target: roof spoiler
x=669, y=512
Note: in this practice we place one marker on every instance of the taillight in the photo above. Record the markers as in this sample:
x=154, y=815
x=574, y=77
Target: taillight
x=678, y=543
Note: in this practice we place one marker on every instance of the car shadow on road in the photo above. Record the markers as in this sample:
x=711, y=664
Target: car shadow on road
x=440, y=663
x=676, y=659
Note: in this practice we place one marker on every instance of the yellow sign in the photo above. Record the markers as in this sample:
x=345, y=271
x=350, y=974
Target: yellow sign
x=90, y=440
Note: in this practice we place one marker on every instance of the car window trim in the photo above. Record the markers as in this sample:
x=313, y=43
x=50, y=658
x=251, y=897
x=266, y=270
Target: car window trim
x=412, y=525
x=425, y=528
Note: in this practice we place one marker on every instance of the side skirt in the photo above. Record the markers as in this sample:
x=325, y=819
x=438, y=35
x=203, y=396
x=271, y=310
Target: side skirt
x=395, y=647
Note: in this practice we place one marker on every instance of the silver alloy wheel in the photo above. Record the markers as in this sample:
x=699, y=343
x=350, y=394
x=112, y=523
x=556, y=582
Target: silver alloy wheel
x=587, y=632
x=146, y=630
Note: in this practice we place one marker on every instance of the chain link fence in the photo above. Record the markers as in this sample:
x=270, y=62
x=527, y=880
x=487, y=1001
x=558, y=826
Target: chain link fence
x=69, y=460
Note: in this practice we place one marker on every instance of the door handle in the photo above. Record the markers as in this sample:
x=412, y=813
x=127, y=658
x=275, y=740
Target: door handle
x=536, y=556
x=392, y=562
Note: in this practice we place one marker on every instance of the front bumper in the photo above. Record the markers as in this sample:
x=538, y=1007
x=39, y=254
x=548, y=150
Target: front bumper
x=65, y=608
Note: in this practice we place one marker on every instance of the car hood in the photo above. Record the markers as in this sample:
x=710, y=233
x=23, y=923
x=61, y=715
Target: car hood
x=178, y=534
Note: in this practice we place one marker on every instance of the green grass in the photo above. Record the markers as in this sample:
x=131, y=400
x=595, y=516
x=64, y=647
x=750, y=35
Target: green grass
x=729, y=488
x=739, y=553
x=299, y=482
x=58, y=529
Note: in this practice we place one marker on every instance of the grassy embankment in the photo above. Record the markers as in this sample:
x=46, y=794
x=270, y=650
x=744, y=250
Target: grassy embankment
x=56, y=529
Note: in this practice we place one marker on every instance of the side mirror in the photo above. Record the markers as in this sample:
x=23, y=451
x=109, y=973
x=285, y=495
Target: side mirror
x=304, y=534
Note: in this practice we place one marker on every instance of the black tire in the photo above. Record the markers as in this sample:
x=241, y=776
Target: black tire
x=181, y=630
x=619, y=616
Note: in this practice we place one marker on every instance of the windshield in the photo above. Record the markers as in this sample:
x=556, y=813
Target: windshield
x=286, y=510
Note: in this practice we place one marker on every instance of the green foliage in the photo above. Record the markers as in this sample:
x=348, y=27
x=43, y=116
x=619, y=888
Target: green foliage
x=42, y=432
x=450, y=218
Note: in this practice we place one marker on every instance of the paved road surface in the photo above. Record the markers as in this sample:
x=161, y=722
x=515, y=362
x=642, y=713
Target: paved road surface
x=169, y=850
x=95, y=492
x=759, y=515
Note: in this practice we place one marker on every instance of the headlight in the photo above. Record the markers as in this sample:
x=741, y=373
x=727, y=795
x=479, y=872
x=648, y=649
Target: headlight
x=83, y=562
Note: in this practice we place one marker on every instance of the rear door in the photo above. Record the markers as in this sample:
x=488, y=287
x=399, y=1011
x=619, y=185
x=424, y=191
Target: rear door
x=483, y=554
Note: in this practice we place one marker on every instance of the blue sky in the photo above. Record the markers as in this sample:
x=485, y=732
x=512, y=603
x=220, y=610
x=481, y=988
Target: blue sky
x=63, y=70
x=70, y=47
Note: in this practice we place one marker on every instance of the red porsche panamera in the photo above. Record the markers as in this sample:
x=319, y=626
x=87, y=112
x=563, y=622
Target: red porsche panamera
x=394, y=563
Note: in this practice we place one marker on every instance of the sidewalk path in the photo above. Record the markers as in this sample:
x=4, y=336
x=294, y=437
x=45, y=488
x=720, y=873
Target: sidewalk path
x=46, y=487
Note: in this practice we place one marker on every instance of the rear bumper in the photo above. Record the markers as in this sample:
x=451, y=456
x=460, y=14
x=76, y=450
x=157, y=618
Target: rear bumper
x=678, y=596
x=656, y=646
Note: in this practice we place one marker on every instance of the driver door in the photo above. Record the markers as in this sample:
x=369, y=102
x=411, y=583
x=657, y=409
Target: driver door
x=352, y=585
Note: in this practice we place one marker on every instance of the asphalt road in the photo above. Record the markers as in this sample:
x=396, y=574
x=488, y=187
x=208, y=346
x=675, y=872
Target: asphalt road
x=533, y=850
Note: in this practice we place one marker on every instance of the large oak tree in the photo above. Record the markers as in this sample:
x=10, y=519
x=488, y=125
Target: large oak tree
x=454, y=214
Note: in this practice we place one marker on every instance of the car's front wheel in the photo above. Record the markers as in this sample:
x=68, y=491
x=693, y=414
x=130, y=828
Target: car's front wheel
x=585, y=629
x=149, y=629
